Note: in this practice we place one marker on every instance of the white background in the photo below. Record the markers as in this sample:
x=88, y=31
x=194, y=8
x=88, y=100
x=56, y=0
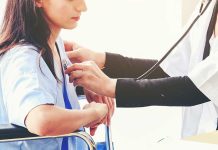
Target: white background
x=136, y=28
x=139, y=28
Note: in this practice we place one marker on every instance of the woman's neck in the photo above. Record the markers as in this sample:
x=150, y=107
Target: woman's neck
x=54, y=35
x=51, y=42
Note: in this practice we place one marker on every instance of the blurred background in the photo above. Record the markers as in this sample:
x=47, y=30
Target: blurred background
x=135, y=28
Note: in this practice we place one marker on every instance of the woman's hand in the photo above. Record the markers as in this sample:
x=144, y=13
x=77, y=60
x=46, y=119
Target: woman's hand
x=91, y=96
x=88, y=75
x=77, y=54
x=101, y=111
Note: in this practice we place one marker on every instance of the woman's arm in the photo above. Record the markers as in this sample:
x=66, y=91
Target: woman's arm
x=47, y=120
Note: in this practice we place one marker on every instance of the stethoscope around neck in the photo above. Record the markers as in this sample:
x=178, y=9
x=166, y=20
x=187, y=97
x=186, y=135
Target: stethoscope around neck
x=202, y=9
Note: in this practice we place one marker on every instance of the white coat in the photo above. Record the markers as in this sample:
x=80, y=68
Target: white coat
x=186, y=60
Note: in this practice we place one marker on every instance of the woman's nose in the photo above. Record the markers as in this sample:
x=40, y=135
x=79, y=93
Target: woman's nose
x=81, y=6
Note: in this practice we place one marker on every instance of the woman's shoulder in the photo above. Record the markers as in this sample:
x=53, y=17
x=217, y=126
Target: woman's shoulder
x=20, y=54
x=25, y=59
x=23, y=48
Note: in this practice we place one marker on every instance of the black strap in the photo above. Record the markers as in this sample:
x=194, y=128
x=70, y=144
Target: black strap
x=56, y=45
x=210, y=31
x=217, y=125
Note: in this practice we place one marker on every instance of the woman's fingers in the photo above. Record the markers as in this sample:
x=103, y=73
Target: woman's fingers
x=93, y=130
x=110, y=103
x=109, y=110
x=91, y=96
x=96, y=123
x=113, y=104
x=88, y=95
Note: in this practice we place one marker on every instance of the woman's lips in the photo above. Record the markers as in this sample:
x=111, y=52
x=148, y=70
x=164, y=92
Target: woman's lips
x=75, y=18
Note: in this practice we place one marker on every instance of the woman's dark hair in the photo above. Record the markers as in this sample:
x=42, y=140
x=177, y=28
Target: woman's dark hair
x=24, y=23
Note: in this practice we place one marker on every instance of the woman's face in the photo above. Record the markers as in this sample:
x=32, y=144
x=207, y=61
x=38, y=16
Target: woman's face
x=62, y=13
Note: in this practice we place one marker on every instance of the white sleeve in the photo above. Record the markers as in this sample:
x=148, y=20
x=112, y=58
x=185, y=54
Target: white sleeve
x=26, y=84
x=205, y=77
x=177, y=63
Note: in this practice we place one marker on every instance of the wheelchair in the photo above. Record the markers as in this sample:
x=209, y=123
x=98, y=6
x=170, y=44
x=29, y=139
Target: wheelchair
x=13, y=133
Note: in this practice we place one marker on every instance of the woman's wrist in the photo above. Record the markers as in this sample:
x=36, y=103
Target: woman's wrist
x=100, y=58
x=89, y=112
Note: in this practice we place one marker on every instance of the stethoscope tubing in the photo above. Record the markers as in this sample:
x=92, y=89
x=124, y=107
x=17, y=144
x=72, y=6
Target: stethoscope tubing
x=155, y=66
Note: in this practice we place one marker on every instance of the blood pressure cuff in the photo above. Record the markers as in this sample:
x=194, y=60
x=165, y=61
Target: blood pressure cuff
x=171, y=91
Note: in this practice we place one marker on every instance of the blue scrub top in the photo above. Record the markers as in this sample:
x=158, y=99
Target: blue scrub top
x=24, y=85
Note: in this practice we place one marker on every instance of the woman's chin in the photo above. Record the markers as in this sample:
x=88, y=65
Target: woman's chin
x=70, y=27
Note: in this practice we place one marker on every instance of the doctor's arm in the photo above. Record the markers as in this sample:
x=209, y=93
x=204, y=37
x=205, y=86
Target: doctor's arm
x=114, y=65
x=171, y=91
x=118, y=66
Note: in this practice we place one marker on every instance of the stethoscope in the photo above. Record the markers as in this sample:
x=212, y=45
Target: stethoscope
x=202, y=9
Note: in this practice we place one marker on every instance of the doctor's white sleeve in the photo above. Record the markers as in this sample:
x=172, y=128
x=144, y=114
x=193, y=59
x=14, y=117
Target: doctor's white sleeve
x=205, y=77
x=26, y=84
x=177, y=63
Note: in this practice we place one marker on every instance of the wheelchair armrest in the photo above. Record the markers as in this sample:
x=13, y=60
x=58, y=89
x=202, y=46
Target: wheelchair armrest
x=12, y=133
x=9, y=131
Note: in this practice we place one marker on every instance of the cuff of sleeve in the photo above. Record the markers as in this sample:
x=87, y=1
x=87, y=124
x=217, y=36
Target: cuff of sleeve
x=111, y=61
x=207, y=87
x=26, y=108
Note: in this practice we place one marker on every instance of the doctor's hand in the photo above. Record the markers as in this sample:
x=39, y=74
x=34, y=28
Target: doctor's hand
x=101, y=111
x=69, y=45
x=88, y=75
x=77, y=54
x=110, y=102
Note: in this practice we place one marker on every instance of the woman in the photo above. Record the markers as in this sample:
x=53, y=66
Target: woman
x=188, y=77
x=34, y=91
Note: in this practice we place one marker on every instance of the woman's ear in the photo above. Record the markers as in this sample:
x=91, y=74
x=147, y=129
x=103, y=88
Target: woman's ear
x=39, y=3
